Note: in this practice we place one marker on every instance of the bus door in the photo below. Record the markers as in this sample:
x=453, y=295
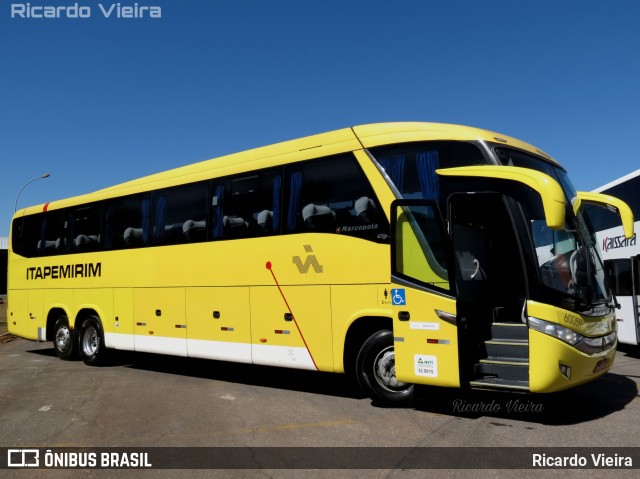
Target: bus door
x=490, y=284
x=456, y=294
x=423, y=303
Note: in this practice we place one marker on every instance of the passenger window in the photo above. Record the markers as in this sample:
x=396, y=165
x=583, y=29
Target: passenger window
x=127, y=222
x=412, y=168
x=247, y=206
x=55, y=237
x=333, y=196
x=25, y=233
x=179, y=214
x=86, y=232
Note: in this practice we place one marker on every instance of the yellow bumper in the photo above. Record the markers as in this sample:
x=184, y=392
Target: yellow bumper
x=548, y=354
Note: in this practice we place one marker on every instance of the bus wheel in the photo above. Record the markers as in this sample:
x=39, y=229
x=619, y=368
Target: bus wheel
x=91, y=342
x=376, y=370
x=63, y=339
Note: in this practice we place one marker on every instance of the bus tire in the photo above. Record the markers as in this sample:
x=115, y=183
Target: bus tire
x=375, y=369
x=64, y=342
x=91, y=342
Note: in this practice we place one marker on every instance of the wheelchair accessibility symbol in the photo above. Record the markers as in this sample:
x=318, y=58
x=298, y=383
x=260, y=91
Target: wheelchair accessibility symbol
x=398, y=297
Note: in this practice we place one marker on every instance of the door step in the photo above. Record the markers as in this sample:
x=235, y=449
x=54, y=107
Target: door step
x=513, y=350
x=506, y=365
x=509, y=342
x=510, y=331
x=498, y=383
x=503, y=370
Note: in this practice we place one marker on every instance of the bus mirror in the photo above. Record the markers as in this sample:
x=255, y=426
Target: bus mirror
x=611, y=203
x=553, y=198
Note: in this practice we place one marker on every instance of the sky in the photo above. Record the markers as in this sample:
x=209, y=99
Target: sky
x=100, y=100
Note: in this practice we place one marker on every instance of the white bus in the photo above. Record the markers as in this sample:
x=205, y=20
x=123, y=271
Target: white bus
x=621, y=255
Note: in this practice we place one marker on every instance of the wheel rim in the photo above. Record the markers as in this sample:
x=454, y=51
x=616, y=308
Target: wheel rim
x=63, y=339
x=384, y=370
x=90, y=341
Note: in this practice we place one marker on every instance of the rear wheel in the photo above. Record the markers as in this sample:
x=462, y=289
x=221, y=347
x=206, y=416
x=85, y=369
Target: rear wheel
x=63, y=339
x=91, y=342
x=376, y=370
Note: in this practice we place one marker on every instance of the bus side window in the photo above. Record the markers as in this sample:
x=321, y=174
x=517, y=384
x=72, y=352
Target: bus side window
x=237, y=220
x=251, y=206
x=86, y=232
x=24, y=232
x=179, y=214
x=412, y=167
x=54, y=234
x=332, y=195
x=127, y=222
x=266, y=207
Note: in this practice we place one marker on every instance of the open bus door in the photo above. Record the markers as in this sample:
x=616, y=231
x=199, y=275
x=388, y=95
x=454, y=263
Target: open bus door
x=459, y=295
x=445, y=280
x=424, y=324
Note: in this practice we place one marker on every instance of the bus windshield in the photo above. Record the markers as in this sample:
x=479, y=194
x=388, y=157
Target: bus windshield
x=569, y=261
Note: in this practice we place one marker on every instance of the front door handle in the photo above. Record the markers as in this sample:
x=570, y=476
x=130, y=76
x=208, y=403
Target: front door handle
x=404, y=316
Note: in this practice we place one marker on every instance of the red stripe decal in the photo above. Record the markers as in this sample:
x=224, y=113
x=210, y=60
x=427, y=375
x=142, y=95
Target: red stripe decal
x=45, y=207
x=269, y=267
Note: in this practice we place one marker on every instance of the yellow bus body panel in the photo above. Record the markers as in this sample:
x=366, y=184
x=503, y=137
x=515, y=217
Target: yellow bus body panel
x=426, y=347
x=548, y=353
x=219, y=323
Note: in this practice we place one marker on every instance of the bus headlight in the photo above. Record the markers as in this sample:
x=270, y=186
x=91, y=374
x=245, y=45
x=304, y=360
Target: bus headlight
x=563, y=334
x=577, y=340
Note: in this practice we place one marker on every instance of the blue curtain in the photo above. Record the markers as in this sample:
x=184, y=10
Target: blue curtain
x=394, y=166
x=159, y=219
x=277, y=187
x=218, y=214
x=146, y=206
x=294, y=200
x=427, y=163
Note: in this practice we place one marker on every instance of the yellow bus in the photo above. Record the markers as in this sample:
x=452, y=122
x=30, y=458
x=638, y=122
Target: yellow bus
x=399, y=253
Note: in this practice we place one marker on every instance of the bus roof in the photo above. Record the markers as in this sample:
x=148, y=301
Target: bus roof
x=378, y=134
x=324, y=144
x=621, y=180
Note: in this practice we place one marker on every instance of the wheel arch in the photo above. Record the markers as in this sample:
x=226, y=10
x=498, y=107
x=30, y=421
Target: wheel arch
x=85, y=313
x=52, y=316
x=359, y=331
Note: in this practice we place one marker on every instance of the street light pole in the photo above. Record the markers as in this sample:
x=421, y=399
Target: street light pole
x=44, y=175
